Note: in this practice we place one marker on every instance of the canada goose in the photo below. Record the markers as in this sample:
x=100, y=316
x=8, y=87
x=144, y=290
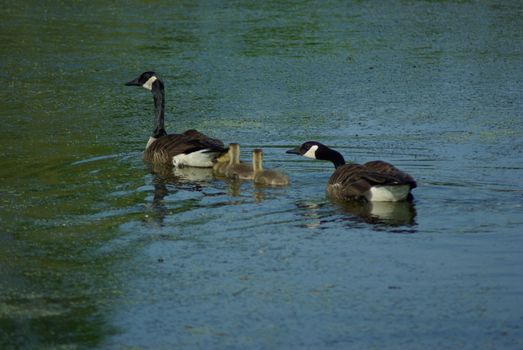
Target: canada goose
x=192, y=148
x=374, y=181
x=266, y=177
x=235, y=169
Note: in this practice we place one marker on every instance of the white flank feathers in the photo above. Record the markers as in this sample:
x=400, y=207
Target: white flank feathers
x=387, y=193
x=199, y=159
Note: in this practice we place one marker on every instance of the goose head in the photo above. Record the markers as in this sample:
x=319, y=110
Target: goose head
x=145, y=80
x=310, y=149
x=234, y=153
x=317, y=150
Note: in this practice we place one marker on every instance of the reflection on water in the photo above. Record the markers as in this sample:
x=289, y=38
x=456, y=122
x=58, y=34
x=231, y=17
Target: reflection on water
x=388, y=213
x=168, y=181
x=393, y=216
x=431, y=86
x=182, y=176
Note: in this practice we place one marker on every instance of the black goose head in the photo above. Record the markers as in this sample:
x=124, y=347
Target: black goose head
x=146, y=80
x=309, y=149
x=316, y=150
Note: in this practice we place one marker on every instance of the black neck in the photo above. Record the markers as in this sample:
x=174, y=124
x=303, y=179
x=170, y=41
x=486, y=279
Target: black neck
x=338, y=160
x=334, y=156
x=159, y=106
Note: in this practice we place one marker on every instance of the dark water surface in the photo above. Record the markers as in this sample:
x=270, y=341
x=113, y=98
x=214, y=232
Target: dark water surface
x=99, y=251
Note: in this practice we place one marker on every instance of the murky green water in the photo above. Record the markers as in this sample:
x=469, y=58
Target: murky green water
x=99, y=251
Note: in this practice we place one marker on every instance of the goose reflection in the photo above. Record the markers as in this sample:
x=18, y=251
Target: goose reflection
x=182, y=176
x=388, y=213
x=393, y=216
x=168, y=181
x=235, y=187
x=185, y=182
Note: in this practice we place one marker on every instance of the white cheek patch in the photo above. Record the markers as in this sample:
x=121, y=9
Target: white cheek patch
x=149, y=83
x=311, y=153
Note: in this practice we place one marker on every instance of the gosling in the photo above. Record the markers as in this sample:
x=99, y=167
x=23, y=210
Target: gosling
x=266, y=177
x=235, y=169
x=222, y=162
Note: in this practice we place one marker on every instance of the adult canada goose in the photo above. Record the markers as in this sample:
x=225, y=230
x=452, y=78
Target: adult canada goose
x=266, y=177
x=235, y=169
x=192, y=148
x=376, y=181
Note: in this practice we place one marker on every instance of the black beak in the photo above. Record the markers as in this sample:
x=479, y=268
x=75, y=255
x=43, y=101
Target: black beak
x=294, y=151
x=133, y=82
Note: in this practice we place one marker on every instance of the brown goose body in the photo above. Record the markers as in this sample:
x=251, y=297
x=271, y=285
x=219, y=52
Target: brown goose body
x=373, y=181
x=192, y=148
x=357, y=181
x=163, y=149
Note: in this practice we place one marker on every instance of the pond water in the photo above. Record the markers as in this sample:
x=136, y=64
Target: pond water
x=98, y=250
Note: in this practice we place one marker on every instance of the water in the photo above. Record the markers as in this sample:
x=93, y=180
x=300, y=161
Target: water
x=100, y=251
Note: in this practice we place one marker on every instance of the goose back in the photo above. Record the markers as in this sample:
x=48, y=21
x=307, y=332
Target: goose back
x=239, y=171
x=271, y=177
x=351, y=181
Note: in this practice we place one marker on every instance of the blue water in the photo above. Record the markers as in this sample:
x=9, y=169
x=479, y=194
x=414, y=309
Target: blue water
x=99, y=250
